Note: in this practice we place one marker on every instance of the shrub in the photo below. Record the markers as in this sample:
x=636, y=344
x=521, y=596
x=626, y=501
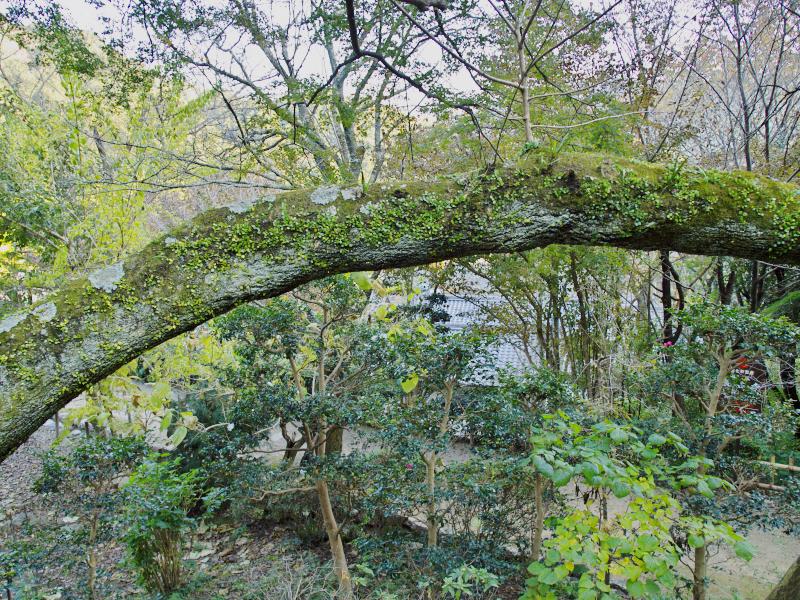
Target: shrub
x=466, y=580
x=158, y=499
x=488, y=501
x=641, y=545
x=88, y=476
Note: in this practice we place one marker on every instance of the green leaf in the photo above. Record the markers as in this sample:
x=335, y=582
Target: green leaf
x=549, y=578
x=656, y=439
x=562, y=477
x=620, y=489
x=160, y=392
x=381, y=312
x=543, y=467
x=652, y=589
x=625, y=546
x=552, y=557
x=361, y=279
x=409, y=383
x=635, y=588
x=166, y=420
x=647, y=542
x=667, y=578
x=682, y=447
x=537, y=569
x=590, y=470
x=178, y=435
x=696, y=541
x=619, y=435
x=703, y=488
x=743, y=550
x=561, y=572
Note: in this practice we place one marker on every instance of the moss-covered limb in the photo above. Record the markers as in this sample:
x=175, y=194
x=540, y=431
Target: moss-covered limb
x=262, y=248
x=789, y=586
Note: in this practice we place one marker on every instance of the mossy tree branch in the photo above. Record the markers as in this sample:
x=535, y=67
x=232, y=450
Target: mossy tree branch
x=265, y=247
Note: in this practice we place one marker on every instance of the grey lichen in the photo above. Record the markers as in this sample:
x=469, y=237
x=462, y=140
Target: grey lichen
x=351, y=193
x=242, y=206
x=325, y=194
x=170, y=241
x=45, y=313
x=12, y=321
x=107, y=279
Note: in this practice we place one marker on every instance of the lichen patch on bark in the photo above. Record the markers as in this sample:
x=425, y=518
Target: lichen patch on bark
x=12, y=321
x=241, y=206
x=46, y=312
x=325, y=194
x=106, y=279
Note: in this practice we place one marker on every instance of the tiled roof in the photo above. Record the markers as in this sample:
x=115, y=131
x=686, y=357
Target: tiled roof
x=463, y=312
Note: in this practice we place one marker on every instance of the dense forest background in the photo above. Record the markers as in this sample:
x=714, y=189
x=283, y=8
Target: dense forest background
x=644, y=430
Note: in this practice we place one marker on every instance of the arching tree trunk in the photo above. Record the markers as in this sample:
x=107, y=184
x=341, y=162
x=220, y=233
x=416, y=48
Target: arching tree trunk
x=788, y=587
x=265, y=247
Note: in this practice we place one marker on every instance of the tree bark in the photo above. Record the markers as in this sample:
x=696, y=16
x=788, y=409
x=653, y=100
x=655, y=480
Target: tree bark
x=700, y=573
x=335, y=540
x=264, y=247
x=430, y=487
x=789, y=585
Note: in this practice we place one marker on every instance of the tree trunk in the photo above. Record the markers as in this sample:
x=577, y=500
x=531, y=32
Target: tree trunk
x=700, y=573
x=430, y=486
x=585, y=344
x=335, y=540
x=725, y=287
x=228, y=256
x=670, y=334
x=335, y=442
x=91, y=557
x=787, y=588
x=666, y=296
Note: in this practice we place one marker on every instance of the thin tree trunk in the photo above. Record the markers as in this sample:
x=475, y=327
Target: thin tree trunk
x=669, y=334
x=430, y=486
x=585, y=345
x=700, y=573
x=335, y=540
x=430, y=459
x=91, y=557
x=335, y=441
